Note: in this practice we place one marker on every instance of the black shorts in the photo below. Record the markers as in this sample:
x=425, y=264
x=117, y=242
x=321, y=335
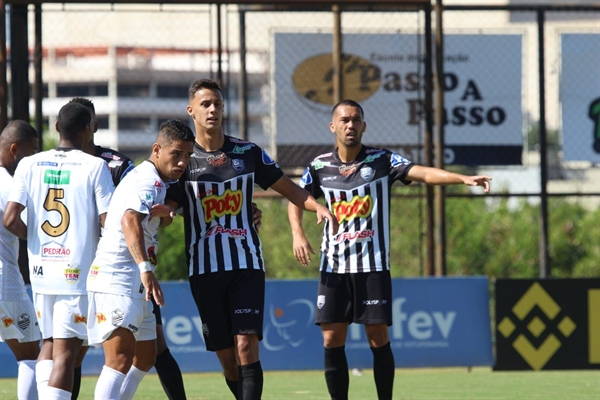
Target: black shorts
x=362, y=298
x=230, y=303
x=156, y=311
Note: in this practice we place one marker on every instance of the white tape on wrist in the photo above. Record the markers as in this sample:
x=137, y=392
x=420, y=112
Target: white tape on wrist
x=146, y=266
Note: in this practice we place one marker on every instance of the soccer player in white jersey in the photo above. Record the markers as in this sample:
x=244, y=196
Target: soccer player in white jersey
x=121, y=279
x=18, y=323
x=355, y=284
x=67, y=193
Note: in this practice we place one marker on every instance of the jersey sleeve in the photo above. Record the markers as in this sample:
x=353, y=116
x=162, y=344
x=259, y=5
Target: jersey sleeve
x=308, y=182
x=399, y=167
x=103, y=188
x=19, y=192
x=142, y=199
x=267, y=170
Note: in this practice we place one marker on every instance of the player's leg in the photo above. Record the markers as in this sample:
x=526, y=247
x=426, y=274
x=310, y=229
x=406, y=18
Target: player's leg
x=377, y=317
x=334, y=313
x=44, y=310
x=21, y=333
x=210, y=295
x=145, y=352
x=77, y=373
x=247, y=302
x=166, y=367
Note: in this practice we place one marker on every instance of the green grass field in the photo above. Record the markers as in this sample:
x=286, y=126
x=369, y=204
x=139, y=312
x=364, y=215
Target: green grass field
x=410, y=384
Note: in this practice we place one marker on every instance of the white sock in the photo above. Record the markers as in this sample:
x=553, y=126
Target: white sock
x=109, y=384
x=43, y=369
x=131, y=383
x=52, y=393
x=26, y=384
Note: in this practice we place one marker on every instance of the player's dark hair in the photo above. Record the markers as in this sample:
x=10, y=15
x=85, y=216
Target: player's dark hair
x=203, y=84
x=84, y=102
x=72, y=119
x=350, y=103
x=175, y=130
x=17, y=131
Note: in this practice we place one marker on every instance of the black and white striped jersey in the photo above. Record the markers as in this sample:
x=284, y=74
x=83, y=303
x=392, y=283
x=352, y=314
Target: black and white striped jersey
x=216, y=194
x=358, y=194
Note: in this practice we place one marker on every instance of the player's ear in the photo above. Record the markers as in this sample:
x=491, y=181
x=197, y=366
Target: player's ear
x=332, y=127
x=155, y=149
x=13, y=149
x=364, y=126
x=189, y=110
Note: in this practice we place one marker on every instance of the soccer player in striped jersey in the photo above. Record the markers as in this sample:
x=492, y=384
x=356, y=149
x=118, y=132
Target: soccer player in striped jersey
x=166, y=366
x=355, y=285
x=121, y=279
x=67, y=193
x=224, y=254
x=18, y=323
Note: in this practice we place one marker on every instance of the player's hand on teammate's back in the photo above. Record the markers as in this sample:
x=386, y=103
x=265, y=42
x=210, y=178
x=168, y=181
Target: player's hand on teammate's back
x=152, y=287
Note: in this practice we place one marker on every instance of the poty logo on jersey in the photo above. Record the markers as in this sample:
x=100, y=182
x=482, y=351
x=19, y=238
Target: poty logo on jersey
x=229, y=203
x=347, y=170
x=72, y=274
x=306, y=178
x=57, y=177
x=217, y=160
x=267, y=160
x=79, y=319
x=94, y=270
x=398, y=160
x=360, y=236
x=7, y=322
x=55, y=250
x=358, y=207
x=235, y=233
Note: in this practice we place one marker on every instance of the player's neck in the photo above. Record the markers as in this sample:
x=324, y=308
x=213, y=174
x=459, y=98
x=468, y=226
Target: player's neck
x=90, y=148
x=348, y=154
x=210, y=141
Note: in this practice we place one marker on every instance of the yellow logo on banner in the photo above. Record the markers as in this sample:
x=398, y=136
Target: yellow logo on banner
x=536, y=296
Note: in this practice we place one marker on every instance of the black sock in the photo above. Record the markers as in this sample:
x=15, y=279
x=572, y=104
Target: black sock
x=336, y=372
x=233, y=386
x=240, y=384
x=76, y=383
x=169, y=375
x=252, y=381
x=383, y=370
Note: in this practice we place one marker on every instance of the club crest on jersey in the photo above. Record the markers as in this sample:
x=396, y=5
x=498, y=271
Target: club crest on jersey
x=72, y=273
x=397, y=159
x=216, y=160
x=238, y=165
x=358, y=207
x=7, y=322
x=367, y=173
x=23, y=321
x=229, y=203
x=320, y=301
x=116, y=317
x=306, y=178
x=347, y=170
x=267, y=160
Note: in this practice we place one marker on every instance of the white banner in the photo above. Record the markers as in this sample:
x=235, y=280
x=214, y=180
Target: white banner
x=482, y=94
x=580, y=96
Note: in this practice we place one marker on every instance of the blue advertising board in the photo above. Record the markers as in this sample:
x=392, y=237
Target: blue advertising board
x=437, y=322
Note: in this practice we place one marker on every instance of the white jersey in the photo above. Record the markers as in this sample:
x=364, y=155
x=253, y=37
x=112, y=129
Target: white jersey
x=65, y=191
x=114, y=270
x=12, y=286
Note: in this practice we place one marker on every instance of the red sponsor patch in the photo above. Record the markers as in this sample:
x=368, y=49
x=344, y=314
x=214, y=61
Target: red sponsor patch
x=229, y=203
x=357, y=207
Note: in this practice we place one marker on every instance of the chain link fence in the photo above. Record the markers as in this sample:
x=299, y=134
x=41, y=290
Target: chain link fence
x=137, y=61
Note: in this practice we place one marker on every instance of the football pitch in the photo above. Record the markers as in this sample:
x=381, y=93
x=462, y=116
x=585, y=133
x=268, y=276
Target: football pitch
x=410, y=384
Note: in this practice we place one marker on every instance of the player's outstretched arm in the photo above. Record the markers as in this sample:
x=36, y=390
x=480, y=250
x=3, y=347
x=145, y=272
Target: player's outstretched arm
x=12, y=219
x=300, y=244
x=437, y=176
x=131, y=222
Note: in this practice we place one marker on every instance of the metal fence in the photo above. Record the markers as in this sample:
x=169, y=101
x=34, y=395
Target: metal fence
x=534, y=126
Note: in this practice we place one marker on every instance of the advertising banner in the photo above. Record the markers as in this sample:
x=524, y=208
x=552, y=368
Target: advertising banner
x=547, y=324
x=384, y=73
x=437, y=322
x=580, y=96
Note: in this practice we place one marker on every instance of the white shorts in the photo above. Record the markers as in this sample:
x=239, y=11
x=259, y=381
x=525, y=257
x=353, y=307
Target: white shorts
x=18, y=321
x=108, y=312
x=62, y=316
